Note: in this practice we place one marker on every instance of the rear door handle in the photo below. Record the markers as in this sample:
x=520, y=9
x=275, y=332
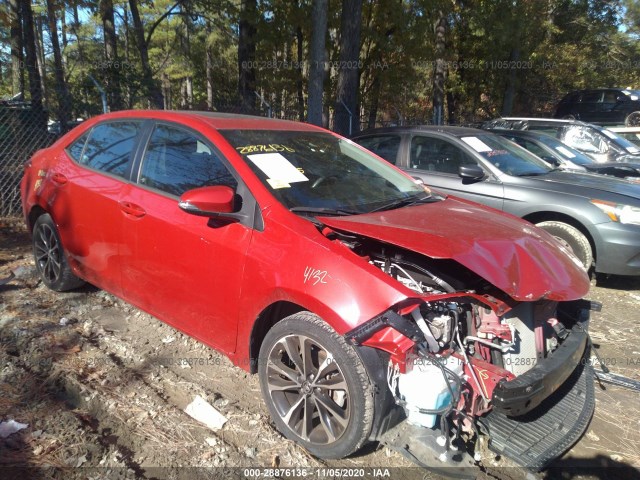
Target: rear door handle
x=59, y=178
x=132, y=209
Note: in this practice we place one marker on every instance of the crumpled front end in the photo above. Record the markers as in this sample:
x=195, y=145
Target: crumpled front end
x=474, y=371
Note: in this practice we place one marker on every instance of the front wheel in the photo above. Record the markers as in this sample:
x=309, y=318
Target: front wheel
x=316, y=386
x=571, y=238
x=632, y=120
x=51, y=262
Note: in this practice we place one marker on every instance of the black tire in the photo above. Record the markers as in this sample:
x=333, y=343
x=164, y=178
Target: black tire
x=573, y=239
x=50, y=257
x=632, y=120
x=339, y=419
x=569, y=117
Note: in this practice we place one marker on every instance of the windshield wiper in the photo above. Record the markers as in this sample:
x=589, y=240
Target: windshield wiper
x=405, y=202
x=323, y=211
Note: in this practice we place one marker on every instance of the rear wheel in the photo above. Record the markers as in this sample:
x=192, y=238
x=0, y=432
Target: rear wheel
x=573, y=239
x=316, y=386
x=50, y=258
x=632, y=120
x=569, y=117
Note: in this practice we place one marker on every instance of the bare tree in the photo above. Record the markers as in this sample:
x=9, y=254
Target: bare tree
x=28, y=29
x=154, y=93
x=17, y=55
x=110, y=53
x=346, y=114
x=317, y=60
x=247, y=52
x=440, y=70
x=64, y=99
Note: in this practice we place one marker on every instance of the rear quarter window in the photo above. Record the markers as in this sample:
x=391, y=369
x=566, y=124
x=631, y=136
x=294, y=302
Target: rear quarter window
x=75, y=149
x=110, y=146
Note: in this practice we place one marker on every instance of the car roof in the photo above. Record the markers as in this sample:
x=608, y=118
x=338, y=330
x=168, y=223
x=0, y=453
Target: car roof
x=217, y=120
x=520, y=133
x=446, y=129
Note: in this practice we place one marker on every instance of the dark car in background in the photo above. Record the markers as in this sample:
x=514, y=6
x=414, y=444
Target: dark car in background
x=598, y=217
x=597, y=142
x=556, y=153
x=606, y=106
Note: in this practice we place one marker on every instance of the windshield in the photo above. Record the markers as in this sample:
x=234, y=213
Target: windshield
x=507, y=156
x=565, y=151
x=317, y=170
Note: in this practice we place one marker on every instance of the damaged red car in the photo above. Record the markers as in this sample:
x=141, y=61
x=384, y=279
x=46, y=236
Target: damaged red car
x=372, y=308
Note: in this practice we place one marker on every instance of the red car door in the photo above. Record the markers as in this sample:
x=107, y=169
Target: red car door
x=87, y=206
x=185, y=269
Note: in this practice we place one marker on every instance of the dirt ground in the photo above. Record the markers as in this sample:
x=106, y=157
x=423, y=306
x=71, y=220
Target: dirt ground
x=102, y=387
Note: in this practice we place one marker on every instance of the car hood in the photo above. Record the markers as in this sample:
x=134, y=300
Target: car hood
x=585, y=184
x=520, y=259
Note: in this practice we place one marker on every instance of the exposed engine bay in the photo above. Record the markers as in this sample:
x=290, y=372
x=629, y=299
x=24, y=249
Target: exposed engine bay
x=473, y=349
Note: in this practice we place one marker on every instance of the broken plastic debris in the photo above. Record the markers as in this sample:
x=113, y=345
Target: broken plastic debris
x=11, y=426
x=203, y=412
x=64, y=321
x=168, y=339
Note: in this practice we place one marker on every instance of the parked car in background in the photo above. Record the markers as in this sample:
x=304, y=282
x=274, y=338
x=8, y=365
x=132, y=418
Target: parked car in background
x=370, y=307
x=605, y=106
x=598, y=217
x=632, y=134
x=556, y=153
x=597, y=142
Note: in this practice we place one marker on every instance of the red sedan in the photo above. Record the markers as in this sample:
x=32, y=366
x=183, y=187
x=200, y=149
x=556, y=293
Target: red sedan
x=371, y=307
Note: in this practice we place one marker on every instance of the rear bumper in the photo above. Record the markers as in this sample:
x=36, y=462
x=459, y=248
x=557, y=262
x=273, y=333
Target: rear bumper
x=530, y=389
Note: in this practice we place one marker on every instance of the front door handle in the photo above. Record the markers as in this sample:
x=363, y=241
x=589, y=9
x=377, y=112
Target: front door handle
x=132, y=209
x=59, y=178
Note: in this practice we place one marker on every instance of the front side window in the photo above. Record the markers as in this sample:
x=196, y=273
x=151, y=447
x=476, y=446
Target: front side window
x=317, y=170
x=110, y=146
x=437, y=155
x=176, y=161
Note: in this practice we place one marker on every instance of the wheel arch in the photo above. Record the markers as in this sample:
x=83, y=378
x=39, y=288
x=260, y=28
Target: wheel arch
x=35, y=212
x=546, y=216
x=267, y=318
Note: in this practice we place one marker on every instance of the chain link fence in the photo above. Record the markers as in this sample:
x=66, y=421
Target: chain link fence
x=24, y=130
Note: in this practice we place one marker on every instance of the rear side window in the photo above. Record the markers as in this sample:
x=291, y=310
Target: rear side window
x=435, y=154
x=110, y=146
x=385, y=146
x=75, y=149
x=176, y=161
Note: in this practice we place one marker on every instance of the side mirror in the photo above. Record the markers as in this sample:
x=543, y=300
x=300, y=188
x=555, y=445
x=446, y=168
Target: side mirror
x=418, y=180
x=208, y=201
x=470, y=173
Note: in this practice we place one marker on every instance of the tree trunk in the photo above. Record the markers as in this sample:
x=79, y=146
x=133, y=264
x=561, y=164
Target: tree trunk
x=64, y=99
x=112, y=84
x=317, y=62
x=299, y=83
x=40, y=59
x=209, y=66
x=17, y=55
x=373, y=109
x=510, y=90
x=76, y=26
x=28, y=29
x=154, y=93
x=346, y=120
x=440, y=70
x=247, y=53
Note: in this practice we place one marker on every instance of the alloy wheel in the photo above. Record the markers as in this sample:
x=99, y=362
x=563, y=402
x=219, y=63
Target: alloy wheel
x=48, y=253
x=308, y=389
